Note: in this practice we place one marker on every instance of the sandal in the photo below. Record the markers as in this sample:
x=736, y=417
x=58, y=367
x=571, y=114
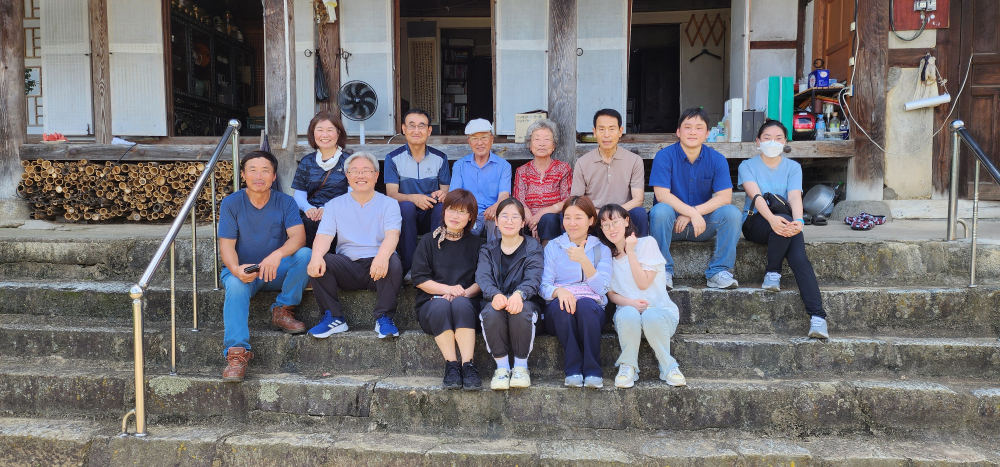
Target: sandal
x=807, y=219
x=862, y=224
x=819, y=219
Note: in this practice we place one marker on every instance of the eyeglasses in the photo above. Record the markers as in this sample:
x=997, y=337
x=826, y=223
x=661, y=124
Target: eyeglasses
x=412, y=127
x=456, y=211
x=356, y=172
x=779, y=139
x=510, y=217
x=615, y=223
x=479, y=139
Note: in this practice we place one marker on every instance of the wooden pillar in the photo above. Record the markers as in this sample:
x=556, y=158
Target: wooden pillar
x=100, y=71
x=562, y=76
x=13, y=112
x=279, y=86
x=866, y=170
x=329, y=54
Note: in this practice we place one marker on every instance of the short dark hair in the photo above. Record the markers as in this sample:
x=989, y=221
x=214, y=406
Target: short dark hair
x=771, y=123
x=608, y=113
x=257, y=154
x=585, y=205
x=463, y=199
x=608, y=212
x=694, y=112
x=326, y=115
x=511, y=201
x=418, y=111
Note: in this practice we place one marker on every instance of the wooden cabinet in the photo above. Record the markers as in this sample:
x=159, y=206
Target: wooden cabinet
x=212, y=77
x=455, y=75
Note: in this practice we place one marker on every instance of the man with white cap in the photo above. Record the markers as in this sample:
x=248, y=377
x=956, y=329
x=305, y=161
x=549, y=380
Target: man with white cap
x=485, y=174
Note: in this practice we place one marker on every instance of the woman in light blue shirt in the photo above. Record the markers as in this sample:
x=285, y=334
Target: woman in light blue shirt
x=575, y=281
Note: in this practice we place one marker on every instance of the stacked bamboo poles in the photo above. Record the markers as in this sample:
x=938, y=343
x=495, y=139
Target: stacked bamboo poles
x=82, y=190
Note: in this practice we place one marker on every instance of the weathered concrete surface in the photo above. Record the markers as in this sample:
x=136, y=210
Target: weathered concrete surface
x=26, y=442
x=164, y=446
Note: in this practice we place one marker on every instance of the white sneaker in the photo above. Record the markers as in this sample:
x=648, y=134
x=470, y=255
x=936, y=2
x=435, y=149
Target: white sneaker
x=626, y=376
x=675, y=377
x=817, y=328
x=520, y=378
x=723, y=280
x=670, y=281
x=501, y=380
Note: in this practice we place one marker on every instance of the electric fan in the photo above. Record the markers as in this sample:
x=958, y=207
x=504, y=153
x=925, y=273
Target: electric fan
x=358, y=102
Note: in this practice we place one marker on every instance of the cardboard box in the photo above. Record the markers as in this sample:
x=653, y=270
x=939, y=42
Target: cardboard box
x=461, y=98
x=522, y=121
x=819, y=78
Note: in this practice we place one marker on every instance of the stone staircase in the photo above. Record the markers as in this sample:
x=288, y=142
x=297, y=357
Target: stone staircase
x=909, y=378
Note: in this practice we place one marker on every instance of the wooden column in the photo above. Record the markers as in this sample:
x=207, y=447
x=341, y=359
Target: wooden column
x=329, y=54
x=866, y=170
x=13, y=112
x=279, y=87
x=951, y=64
x=100, y=71
x=562, y=76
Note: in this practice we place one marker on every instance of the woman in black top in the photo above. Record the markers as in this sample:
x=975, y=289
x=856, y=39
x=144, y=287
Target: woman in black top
x=509, y=272
x=444, y=272
x=320, y=176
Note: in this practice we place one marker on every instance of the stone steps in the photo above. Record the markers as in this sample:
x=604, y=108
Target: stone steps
x=415, y=354
x=74, y=442
x=419, y=405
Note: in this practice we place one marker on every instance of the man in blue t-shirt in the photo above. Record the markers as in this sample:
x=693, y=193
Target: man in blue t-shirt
x=259, y=228
x=417, y=176
x=486, y=175
x=694, y=199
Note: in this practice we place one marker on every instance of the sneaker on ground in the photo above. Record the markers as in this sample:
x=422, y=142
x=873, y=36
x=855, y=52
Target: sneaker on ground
x=574, y=381
x=407, y=279
x=452, y=375
x=521, y=378
x=723, y=280
x=385, y=327
x=675, y=377
x=501, y=380
x=593, y=382
x=817, y=328
x=470, y=377
x=670, y=281
x=328, y=326
x=772, y=282
x=626, y=376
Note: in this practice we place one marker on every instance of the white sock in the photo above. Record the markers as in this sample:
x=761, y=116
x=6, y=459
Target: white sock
x=521, y=362
x=503, y=363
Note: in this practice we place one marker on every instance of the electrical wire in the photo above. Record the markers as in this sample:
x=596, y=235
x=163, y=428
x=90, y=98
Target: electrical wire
x=892, y=21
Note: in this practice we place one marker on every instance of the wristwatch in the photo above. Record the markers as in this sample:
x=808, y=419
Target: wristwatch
x=523, y=296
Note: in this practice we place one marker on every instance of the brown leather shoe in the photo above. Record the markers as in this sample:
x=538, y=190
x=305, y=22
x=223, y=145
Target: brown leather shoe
x=236, y=364
x=283, y=317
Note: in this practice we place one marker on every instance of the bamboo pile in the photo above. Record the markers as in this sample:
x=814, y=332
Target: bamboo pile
x=93, y=191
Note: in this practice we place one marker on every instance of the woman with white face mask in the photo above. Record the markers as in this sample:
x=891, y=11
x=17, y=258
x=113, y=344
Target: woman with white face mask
x=772, y=173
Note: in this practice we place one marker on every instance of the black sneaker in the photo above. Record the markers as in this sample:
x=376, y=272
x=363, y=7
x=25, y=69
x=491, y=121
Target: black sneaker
x=452, y=375
x=470, y=377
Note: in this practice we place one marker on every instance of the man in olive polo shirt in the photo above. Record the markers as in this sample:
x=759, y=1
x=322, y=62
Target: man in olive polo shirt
x=611, y=174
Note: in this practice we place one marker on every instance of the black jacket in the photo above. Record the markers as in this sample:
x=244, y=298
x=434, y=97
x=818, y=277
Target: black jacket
x=525, y=272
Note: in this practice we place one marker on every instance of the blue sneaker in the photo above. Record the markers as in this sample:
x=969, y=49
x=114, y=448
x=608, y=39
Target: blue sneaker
x=385, y=327
x=328, y=326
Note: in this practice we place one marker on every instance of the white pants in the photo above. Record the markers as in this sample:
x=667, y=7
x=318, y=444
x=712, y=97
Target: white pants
x=658, y=324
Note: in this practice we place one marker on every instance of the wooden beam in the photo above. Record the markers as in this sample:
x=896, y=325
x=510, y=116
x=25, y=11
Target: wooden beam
x=397, y=117
x=168, y=64
x=100, y=70
x=13, y=112
x=562, y=75
x=910, y=58
x=329, y=55
x=819, y=30
x=949, y=64
x=866, y=173
x=279, y=83
x=773, y=45
x=800, y=40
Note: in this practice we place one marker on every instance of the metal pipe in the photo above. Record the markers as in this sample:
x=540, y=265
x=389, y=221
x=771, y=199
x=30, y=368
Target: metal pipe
x=965, y=227
x=975, y=227
x=236, y=154
x=215, y=235
x=194, y=271
x=137, y=293
x=125, y=422
x=956, y=149
x=173, y=313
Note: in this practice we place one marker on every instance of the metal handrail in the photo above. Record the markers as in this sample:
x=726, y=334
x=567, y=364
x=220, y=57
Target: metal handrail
x=138, y=291
x=960, y=133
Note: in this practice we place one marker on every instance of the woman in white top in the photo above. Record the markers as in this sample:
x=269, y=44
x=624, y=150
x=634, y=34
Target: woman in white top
x=639, y=288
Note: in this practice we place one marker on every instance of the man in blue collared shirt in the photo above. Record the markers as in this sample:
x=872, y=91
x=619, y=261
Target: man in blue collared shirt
x=484, y=174
x=694, y=194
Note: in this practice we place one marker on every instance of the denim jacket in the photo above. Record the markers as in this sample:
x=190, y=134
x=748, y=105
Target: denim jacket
x=559, y=269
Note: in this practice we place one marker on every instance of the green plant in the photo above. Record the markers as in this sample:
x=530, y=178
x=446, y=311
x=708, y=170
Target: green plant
x=29, y=84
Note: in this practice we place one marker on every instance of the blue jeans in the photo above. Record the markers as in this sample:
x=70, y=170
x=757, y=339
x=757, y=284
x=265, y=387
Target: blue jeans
x=291, y=280
x=484, y=228
x=723, y=224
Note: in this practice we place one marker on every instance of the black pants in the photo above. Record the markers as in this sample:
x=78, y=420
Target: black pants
x=342, y=273
x=438, y=315
x=793, y=249
x=505, y=333
x=311, y=226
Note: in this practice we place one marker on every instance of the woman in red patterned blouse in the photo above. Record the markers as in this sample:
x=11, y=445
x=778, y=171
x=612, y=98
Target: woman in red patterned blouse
x=543, y=185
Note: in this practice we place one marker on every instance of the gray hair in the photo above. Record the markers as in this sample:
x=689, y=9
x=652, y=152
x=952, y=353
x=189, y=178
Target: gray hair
x=541, y=124
x=363, y=155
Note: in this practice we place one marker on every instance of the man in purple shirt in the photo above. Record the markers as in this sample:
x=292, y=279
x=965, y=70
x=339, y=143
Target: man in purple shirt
x=694, y=194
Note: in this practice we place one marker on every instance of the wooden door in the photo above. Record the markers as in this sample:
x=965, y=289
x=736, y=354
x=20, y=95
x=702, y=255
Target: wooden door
x=832, y=36
x=980, y=103
x=522, y=42
x=65, y=58
x=602, y=66
x=135, y=40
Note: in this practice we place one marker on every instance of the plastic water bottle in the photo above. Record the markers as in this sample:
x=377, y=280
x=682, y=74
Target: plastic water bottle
x=722, y=132
x=846, y=128
x=820, y=129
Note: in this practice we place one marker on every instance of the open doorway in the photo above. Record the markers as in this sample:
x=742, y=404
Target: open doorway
x=654, y=84
x=467, y=78
x=216, y=66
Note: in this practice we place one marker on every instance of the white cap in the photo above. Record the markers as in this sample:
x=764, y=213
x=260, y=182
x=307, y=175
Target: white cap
x=478, y=125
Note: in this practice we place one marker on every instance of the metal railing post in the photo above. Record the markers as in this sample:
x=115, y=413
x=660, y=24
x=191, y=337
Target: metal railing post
x=137, y=292
x=194, y=270
x=975, y=226
x=173, y=312
x=956, y=149
x=215, y=235
x=236, y=154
